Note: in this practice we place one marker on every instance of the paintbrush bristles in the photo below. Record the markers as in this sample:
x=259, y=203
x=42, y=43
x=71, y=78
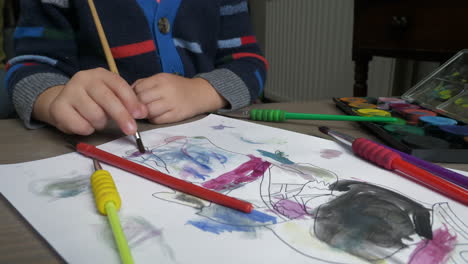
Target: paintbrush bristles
x=139, y=142
x=343, y=138
x=324, y=129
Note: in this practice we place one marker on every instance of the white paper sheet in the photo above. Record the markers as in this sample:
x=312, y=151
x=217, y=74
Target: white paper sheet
x=315, y=202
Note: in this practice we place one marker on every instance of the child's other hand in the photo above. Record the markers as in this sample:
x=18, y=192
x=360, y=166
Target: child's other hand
x=170, y=98
x=88, y=101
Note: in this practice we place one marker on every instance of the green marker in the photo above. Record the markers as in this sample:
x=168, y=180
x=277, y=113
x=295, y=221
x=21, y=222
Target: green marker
x=270, y=115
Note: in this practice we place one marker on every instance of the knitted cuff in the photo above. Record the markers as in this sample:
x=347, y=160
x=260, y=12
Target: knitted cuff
x=230, y=86
x=28, y=89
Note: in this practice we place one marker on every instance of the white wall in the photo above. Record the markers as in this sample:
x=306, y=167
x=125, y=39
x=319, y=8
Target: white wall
x=308, y=44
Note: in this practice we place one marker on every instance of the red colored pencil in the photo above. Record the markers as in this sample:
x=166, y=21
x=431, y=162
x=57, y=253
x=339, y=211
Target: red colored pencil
x=431, y=181
x=391, y=160
x=164, y=179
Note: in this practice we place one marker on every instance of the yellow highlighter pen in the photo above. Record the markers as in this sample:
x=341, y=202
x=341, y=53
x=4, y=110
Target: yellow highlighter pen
x=108, y=202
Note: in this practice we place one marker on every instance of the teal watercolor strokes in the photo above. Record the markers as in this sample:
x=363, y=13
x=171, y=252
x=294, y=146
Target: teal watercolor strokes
x=278, y=156
x=61, y=187
x=246, y=140
x=270, y=141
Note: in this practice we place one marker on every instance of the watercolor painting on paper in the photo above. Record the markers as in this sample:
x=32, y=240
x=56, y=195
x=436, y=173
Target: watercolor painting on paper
x=314, y=202
x=303, y=201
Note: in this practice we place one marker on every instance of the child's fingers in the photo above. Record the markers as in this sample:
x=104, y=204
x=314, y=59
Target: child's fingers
x=165, y=118
x=126, y=95
x=92, y=112
x=157, y=108
x=68, y=120
x=134, y=85
x=160, y=79
x=149, y=95
x=112, y=105
x=142, y=85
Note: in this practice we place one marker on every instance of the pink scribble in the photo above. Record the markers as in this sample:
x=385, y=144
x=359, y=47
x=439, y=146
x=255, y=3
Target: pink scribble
x=290, y=209
x=436, y=250
x=330, y=153
x=245, y=173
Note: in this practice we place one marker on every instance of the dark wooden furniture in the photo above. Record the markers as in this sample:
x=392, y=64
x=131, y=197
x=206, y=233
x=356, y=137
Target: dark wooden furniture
x=427, y=30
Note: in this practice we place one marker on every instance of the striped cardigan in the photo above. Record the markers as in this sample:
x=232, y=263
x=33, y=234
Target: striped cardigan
x=211, y=39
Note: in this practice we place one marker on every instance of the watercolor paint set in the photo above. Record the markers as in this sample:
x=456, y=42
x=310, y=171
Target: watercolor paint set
x=423, y=133
x=434, y=114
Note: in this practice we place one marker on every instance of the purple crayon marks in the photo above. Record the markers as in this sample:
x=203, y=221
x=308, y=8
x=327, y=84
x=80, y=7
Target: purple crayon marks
x=245, y=173
x=220, y=127
x=290, y=209
x=330, y=153
x=436, y=250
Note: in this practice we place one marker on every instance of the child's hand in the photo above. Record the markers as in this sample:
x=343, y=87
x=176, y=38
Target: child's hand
x=171, y=98
x=88, y=101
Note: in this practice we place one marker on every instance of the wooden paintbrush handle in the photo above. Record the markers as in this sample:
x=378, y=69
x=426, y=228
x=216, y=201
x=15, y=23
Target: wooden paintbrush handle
x=102, y=37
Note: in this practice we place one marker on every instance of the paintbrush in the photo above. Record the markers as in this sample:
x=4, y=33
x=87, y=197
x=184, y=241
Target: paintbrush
x=392, y=160
x=110, y=59
x=276, y=115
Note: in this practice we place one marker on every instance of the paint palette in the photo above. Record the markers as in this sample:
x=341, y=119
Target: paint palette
x=445, y=90
x=423, y=133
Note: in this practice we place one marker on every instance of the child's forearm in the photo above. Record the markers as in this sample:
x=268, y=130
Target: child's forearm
x=213, y=100
x=230, y=86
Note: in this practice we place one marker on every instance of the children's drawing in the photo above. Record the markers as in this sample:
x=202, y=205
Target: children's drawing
x=314, y=202
x=310, y=209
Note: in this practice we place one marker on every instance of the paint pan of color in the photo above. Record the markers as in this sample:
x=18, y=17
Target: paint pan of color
x=384, y=102
x=388, y=100
x=425, y=142
x=372, y=112
x=437, y=121
x=456, y=132
x=401, y=131
x=362, y=105
x=399, y=106
x=371, y=100
x=412, y=115
x=353, y=100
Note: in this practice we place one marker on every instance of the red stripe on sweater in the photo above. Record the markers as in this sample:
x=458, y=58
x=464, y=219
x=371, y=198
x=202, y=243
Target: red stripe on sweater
x=133, y=49
x=248, y=40
x=8, y=65
x=253, y=55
